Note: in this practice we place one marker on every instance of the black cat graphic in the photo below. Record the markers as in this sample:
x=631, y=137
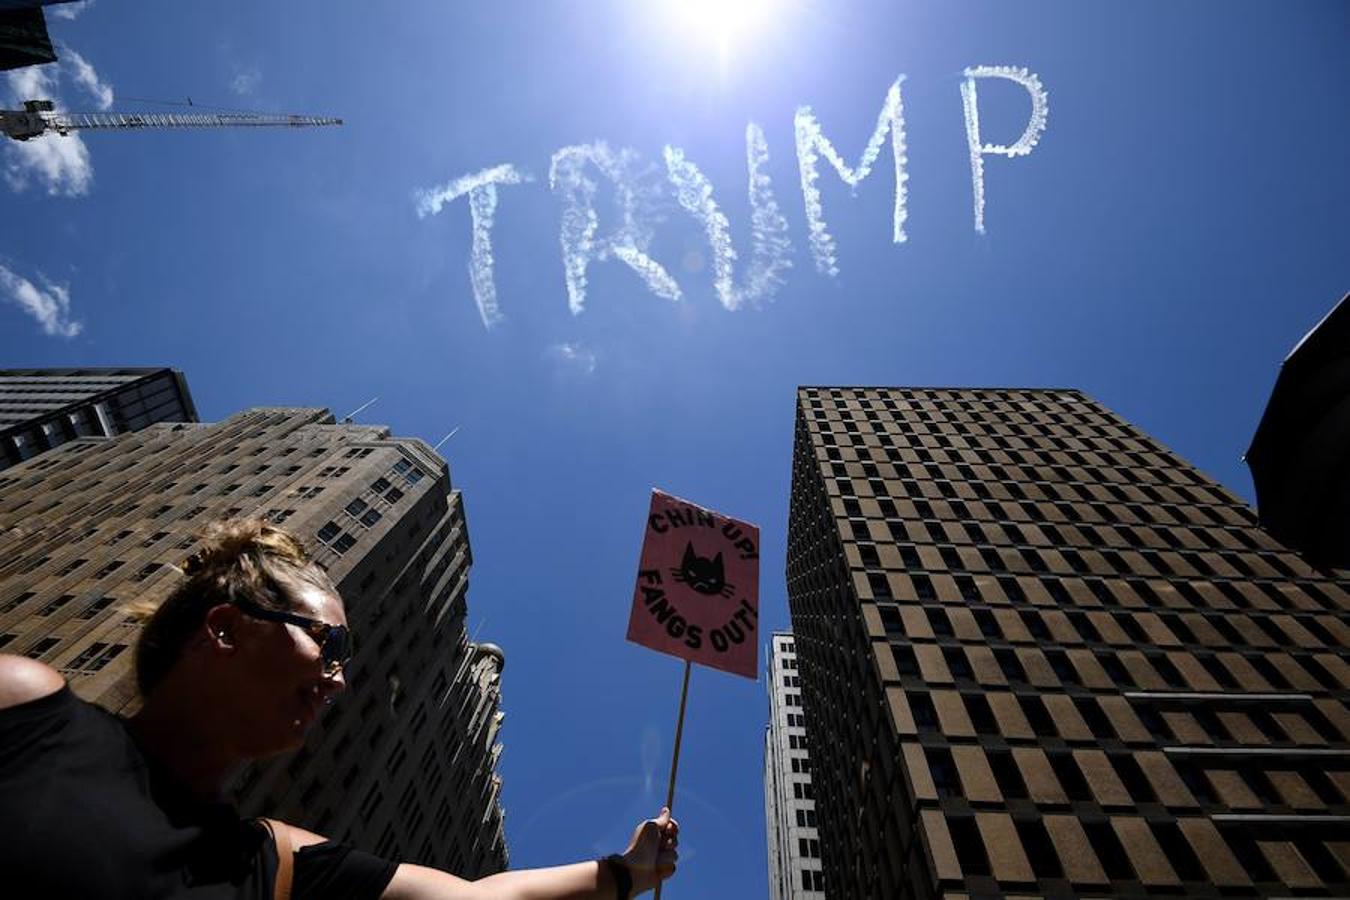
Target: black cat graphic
x=703, y=575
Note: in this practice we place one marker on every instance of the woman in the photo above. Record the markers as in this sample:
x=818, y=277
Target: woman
x=235, y=665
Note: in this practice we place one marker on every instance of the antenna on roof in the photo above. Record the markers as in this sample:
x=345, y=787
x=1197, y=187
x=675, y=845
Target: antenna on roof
x=442, y=441
x=347, y=419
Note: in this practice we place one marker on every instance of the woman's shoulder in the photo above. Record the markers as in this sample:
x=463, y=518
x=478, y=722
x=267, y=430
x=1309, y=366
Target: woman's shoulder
x=24, y=680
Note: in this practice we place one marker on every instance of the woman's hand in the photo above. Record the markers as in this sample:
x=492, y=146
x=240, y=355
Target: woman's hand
x=651, y=854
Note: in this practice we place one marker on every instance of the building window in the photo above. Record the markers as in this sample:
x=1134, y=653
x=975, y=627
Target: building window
x=147, y=571
x=70, y=567
x=56, y=604
x=41, y=648
x=97, y=607
x=11, y=605
x=88, y=654
x=943, y=769
x=328, y=531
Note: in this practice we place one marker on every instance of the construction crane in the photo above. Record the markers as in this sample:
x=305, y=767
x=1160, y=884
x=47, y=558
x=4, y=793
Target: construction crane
x=39, y=117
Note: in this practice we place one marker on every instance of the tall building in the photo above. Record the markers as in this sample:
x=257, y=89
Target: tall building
x=1041, y=654
x=23, y=34
x=43, y=408
x=405, y=762
x=789, y=799
x=1298, y=453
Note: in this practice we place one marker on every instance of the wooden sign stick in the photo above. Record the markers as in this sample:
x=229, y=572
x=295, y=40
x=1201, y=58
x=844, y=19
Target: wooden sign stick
x=675, y=759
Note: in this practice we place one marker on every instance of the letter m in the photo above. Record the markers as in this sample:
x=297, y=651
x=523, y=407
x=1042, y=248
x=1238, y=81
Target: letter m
x=812, y=144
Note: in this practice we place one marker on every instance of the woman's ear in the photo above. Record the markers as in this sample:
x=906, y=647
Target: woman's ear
x=222, y=626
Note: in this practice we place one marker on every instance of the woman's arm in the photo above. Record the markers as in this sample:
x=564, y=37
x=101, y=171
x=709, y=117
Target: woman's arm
x=650, y=858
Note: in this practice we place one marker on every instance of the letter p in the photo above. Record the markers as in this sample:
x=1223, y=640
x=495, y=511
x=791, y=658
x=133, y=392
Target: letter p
x=1040, y=106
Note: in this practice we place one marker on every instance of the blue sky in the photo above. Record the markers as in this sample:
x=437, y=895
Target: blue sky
x=1180, y=224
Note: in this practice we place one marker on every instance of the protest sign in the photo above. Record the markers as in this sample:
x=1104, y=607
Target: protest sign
x=697, y=594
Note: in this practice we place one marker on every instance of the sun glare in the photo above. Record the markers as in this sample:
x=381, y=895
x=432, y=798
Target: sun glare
x=725, y=25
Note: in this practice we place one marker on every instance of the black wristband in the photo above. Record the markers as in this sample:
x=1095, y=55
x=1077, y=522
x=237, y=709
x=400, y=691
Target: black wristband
x=623, y=879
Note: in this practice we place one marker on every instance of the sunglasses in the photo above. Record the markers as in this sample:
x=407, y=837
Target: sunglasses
x=335, y=641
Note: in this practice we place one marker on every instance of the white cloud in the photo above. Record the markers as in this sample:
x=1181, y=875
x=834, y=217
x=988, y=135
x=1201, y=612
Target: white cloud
x=812, y=144
x=482, y=190
x=87, y=78
x=33, y=82
x=573, y=355
x=69, y=10
x=246, y=81
x=768, y=228
x=636, y=201
x=1040, y=110
x=61, y=163
x=49, y=304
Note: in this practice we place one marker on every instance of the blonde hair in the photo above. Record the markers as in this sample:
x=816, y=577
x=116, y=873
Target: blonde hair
x=239, y=559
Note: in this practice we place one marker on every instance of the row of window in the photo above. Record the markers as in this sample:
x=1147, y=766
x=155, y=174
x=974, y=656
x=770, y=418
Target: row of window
x=1069, y=503
x=74, y=565
x=332, y=535
x=989, y=443
x=970, y=400
x=1017, y=432
x=1088, y=483
x=1115, y=460
x=1128, y=588
x=977, y=449
x=1129, y=849
x=1095, y=718
x=1114, y=627
x=957, y=524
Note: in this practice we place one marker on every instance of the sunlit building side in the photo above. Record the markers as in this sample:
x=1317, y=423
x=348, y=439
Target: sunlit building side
x=1042, y=655
x=789, y=804
x=405, y=763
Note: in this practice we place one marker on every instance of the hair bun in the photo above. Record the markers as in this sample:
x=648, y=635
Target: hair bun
x=242, y=541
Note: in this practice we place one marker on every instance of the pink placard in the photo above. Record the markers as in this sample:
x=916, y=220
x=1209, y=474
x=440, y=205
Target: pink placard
x=697, y=594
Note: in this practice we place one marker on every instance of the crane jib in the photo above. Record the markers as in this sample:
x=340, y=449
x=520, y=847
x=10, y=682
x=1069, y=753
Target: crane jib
x=37, y=120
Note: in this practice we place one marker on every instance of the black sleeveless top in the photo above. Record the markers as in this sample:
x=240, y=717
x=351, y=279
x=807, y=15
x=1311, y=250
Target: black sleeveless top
x=84, y=813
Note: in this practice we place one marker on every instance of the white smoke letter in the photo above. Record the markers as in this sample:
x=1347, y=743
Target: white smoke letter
x=482, y=190
x=812, y=143
x=768, y=227
x=631, y=238
x=1040, y=109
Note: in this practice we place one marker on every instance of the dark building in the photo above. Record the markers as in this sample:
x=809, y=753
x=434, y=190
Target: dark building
x=404, y=764
x=1041, y=654
x=43, y=408
x=23, y=34
x=1300, y=454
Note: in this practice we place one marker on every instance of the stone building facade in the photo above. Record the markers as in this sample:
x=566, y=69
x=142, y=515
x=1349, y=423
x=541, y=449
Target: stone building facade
x=43, y=408
x=405, y=762
x=789, y=798
x=1043, y=655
